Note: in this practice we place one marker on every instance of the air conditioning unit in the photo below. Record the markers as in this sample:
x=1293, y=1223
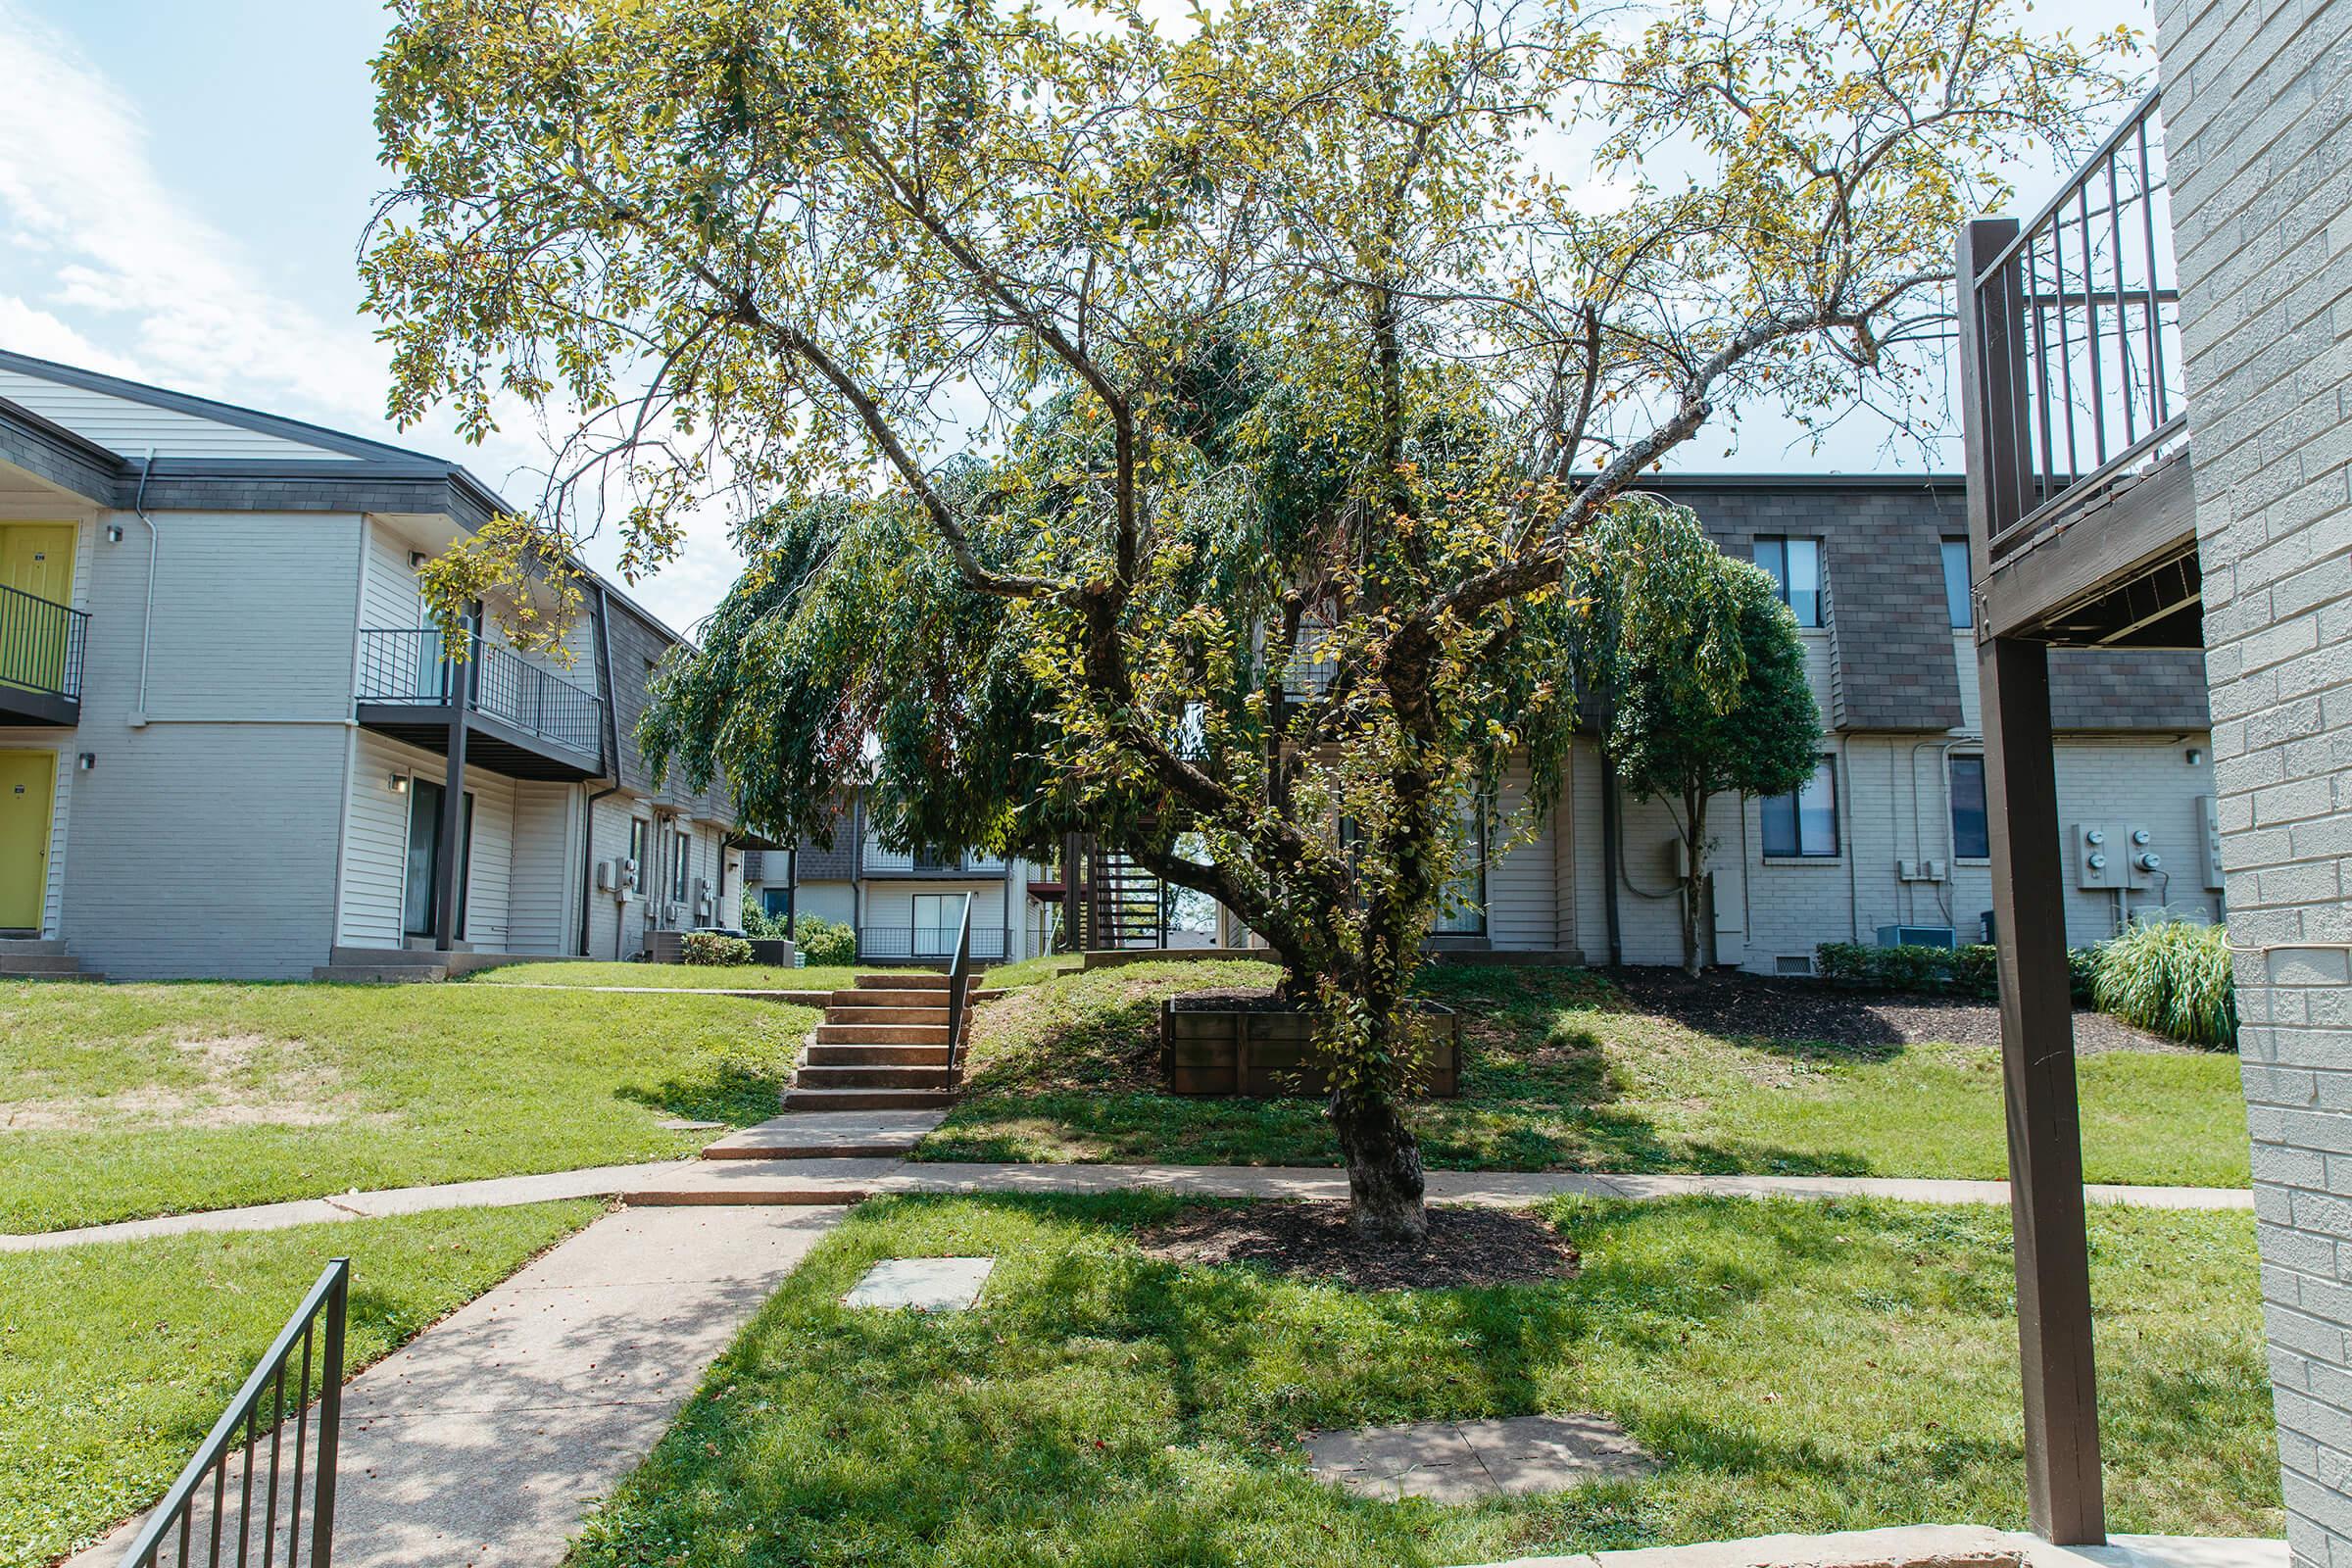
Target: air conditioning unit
x=1918, y=936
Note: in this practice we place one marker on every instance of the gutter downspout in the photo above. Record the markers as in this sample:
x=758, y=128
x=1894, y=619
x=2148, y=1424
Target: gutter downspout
x=154, y=546
x=604, y=659
x=1608, y=856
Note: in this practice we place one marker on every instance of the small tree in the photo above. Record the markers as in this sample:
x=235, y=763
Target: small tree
x=1701, y=676
x=1282, y=335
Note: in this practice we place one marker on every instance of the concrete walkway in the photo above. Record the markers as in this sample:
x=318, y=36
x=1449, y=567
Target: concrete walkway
x=756, y=1182
x=1942, y=1545
x=489, y=1436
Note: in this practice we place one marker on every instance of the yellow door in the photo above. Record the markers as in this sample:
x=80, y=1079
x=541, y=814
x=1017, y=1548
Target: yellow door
x=26, y=779
x=36, y=558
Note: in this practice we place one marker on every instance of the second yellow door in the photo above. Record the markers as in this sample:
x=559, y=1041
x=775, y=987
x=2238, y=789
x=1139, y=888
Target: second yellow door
x=28, y=780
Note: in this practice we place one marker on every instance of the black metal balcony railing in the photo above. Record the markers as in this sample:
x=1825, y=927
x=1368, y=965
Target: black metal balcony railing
x=410, y=667
x=40, y=644
x=930, y=941
x=2086, y=292
x=260, y=1489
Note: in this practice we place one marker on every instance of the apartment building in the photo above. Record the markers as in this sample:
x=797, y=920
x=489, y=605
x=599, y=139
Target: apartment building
x=904, y=906
x=1891, y=840
x=231, y=741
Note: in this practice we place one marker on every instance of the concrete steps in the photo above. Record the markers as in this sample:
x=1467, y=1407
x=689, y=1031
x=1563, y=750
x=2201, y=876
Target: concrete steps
x=39, y=958
x=798, y=1098
x=873, y=1055
x=830, y=1032
x=869, y=1076
x=838, y=1012
x=383, y=966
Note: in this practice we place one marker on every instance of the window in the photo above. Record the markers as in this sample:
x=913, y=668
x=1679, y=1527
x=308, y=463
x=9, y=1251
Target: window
x=937, y=917
x=1971, y=827
x=680, y=845
x=1956, y=598
x=1804, y=825
x=637, y=827
x=777, y=902
x=425, y=847
x=1462, y=907
x=1794, y=565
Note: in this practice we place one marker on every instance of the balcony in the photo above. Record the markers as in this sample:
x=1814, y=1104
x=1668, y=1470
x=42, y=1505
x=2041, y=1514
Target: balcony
x=924, y=943
x=41, y=661
x=2074, y=356
x=521, y=720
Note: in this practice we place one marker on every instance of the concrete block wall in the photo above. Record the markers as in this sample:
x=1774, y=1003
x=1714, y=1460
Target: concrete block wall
x=2258, y=131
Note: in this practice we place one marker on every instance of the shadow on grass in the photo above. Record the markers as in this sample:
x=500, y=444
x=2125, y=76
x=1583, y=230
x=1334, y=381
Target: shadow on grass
x=737, y=1089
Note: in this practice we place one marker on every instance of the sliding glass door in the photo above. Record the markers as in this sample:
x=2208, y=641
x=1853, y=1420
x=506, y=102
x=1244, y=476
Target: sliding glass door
x=424, y=858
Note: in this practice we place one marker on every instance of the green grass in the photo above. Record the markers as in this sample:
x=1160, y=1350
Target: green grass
x=127, y=1100
x=116, y=1357
x=666, y=976
x=1558, y=1074
x=1794, y=1366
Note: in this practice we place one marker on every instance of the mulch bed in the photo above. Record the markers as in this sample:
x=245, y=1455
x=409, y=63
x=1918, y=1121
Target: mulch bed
x=1465, y=1246
x=1757, y=1006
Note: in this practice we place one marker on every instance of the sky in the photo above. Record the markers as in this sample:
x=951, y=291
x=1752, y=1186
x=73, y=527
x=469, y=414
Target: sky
x=183, y=187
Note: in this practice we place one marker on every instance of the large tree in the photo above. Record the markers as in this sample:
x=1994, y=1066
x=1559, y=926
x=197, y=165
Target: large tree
x=970, y=298
x=1697, y=672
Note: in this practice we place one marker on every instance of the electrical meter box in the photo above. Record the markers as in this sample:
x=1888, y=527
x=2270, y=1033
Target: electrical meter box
x=2143, y=863
x=2098, y=857
x=2211, y=819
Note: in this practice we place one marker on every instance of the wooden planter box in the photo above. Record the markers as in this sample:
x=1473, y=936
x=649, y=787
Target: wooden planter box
x=1209, y=1051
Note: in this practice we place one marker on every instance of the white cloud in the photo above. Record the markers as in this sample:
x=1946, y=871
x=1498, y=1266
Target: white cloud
x=105, y=266
x=102, y=240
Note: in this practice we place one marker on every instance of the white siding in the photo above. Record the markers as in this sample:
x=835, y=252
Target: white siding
x=376, y=841
x=1522, y=891
x=390, y=601
x=489, y=870
x=132, y=427
x=544, y=912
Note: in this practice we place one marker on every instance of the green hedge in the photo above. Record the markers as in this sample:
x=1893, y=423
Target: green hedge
x=2174, y=978
x=1967, y=972
x=714, y=947
x=824, y=942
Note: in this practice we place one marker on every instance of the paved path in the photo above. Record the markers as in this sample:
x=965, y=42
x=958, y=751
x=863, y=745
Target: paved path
x=837, y=1181
x=487, y=1438
x=1946, y=1545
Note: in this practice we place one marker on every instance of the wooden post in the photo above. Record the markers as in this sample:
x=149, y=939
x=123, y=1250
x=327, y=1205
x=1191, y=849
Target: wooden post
x=2062, y=1481
x=459, y=684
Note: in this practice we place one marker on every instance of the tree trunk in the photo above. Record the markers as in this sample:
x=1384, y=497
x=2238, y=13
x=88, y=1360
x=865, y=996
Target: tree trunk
x=1695, y=878
x=1384, y=1168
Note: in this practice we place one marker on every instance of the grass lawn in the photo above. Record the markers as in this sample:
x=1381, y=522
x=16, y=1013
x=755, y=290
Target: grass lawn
x=125, y=1101
x=1560, y=1074
x=116, y=1357
x=667, y=976
x=1793, y=1366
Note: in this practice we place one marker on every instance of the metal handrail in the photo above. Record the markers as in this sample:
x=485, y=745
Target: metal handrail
x=958, y=982
x=329, y=1299
x=2084, y=294
x=409, y=666
x=41, y=643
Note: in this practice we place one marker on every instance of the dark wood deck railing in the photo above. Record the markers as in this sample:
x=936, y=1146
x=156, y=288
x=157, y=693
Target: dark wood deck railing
x=2085, y=295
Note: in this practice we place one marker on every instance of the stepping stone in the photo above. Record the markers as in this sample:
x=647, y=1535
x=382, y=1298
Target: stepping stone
x=1463, y=1461
x=925, y=1284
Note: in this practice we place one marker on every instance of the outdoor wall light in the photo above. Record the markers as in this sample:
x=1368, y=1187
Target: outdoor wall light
x=114, y=533
x=85, y=761
x=416, y=560
x=2196, y=755
x=398, y=783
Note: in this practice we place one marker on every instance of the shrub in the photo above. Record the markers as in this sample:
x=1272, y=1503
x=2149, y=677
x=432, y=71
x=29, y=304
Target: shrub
x=757, y=922
x=2083, y=974
x=714, y=947
x=822, y=941
x=2174, y=978
x=1967, y=972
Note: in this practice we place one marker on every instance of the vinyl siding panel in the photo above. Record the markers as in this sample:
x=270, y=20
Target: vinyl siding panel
x=376, y=841
x=1522, y=910
x=543, y=915
x=133, y=428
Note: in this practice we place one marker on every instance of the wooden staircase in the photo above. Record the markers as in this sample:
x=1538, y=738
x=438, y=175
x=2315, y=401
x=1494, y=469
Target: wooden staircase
x=883, y=1047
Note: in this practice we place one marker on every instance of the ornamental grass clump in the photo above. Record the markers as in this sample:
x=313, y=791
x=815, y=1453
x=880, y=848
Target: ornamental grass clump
x=2174, y=978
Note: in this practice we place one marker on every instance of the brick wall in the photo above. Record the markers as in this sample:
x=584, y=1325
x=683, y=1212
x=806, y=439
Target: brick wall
x=2258, y=123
